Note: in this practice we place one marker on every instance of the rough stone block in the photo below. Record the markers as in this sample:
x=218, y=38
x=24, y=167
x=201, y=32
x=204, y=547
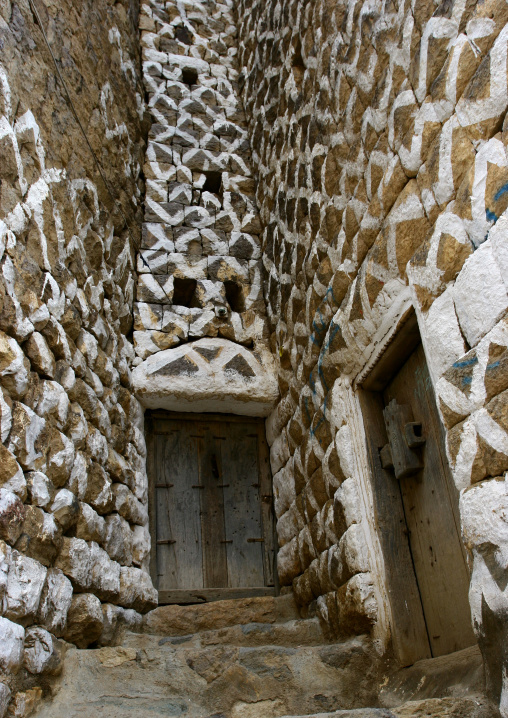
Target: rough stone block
x=84, y=620
x=128, y=506
x=85, y=397
x=78, y=428
x=55, y=601
x=41, y=537
x=443, y=339
x=28, y=440
x=97, y=445
x=348, y=507
x=5, y=415
x=53, y=402
x=65, y=509
x=479, y=294
x=75, y=561
x=5, y=698
x=140, y=544
x=284, y=489
x=40, y=355
x=25, y=702
x=14, y=367
x=118, y=541
x=12, y=515
x=60, y=458
x=90, y=526
x=11, y=474
x=98, y=492
x=357, y=604
x=279, y=452
x=498, y=236
x=344, y=446
x=288, y=562
x=41, y=490
x=78, y=480
x=12, y=637
x=136, y=590
x=25, y=582
x=112, y=620
x=41, y=653
x=105, y=574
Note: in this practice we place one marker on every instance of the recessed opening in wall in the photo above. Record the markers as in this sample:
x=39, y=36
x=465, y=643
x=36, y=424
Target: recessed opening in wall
x=222, y=545
x=298, y=65
x=182, y=34
x=234, y=296
x=213, y=182
x=189, y=76
x=415, y=502
x=183, y=292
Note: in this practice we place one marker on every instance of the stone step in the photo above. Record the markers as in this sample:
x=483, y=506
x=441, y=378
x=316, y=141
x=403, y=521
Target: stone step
x=156, y=678
x=456, y=674
x=356, y=713
x=471, y=707
x=177, y=620
x=200, y=676
x=294, y=633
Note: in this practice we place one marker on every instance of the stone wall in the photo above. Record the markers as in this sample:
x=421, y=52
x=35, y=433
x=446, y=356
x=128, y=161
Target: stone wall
x=73, y=536
x=200, y=268
x=379, y=140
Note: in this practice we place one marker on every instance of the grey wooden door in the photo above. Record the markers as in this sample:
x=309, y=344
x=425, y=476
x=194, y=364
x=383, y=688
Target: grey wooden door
x=430, y=502
x=211, y=517
x=417, y=512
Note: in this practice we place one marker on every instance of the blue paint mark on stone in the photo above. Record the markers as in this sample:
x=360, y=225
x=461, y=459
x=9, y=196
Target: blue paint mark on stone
x=494, y=365
x=491, y=216
x=503, y=190
x=466, y=380
x=465, y=363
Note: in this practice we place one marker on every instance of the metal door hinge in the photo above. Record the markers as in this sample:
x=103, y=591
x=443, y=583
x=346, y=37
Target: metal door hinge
x=405, y=436
x=255, y=540
x=164, y=541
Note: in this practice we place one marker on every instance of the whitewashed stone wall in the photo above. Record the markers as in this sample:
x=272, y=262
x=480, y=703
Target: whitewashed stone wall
x=73, y=535
x=200, y=268
x=379, y=139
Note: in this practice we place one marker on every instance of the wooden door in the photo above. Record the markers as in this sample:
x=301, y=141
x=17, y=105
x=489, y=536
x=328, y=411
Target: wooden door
x=428, y=578
x=211, y=499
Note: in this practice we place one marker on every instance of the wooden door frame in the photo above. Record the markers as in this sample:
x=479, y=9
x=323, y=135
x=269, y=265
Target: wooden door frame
x=184, y=596
x=408, y=630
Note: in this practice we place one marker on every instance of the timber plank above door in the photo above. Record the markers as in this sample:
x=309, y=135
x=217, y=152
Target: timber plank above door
x=211, y=510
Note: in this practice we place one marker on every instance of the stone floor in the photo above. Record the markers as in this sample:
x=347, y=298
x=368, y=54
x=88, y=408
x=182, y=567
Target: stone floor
x=257, y=659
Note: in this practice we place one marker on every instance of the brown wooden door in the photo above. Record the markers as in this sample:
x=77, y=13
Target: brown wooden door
x=430, y=507
x=212, y=526
x=417, y=516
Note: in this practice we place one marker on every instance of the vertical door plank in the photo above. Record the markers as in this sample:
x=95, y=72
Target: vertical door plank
x=438, y=558
x=212, y=506
x=152, y=506
x=242, y=511
x=410, y=638
x=267, y=515
x=179, y=564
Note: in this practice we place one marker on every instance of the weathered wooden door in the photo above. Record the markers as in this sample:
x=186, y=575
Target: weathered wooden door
x=212, y=525
x=417, y=511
